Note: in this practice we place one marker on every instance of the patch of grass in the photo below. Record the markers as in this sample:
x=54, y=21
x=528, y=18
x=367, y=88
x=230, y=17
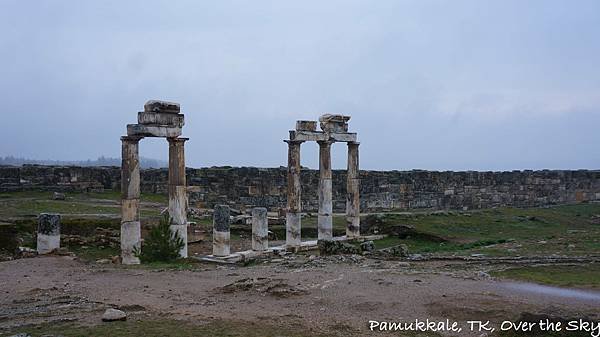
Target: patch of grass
x=585, y=276
x=29, y=207
x=91, y=253
x=567, y=230
x=31, y=203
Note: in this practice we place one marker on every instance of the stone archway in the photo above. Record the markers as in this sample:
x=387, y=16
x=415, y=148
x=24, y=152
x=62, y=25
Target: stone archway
x=163, y=120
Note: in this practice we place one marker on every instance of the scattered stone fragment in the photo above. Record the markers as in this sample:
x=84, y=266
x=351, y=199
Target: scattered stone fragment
x=395, y=251
x=111, y=315
x=328, y=247
x=367, y=246
x=58, y=196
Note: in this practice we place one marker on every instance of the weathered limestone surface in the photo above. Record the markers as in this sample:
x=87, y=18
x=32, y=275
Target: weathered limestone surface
x=260, y=229
x=140, y=130
x=178, y=199
x=306, y=126
x=221, y=230
x=162, y=106
x=319, y=136
x=130, y=200
x=294, y=201
x=161, y=119
x=379, y=190
x=352, y=193
x=48, y=233
x=131, y=240
x=334, y=123
x=325, y=217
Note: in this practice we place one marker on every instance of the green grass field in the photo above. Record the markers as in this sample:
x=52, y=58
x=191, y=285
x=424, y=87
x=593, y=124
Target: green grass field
x=564, y=230
x=580, y=276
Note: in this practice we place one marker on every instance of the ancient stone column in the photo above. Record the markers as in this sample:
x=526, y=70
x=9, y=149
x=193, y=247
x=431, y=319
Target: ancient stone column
x=178, y=202
x=294, y=202
x=325, y=218
x=352, y=196
x=48, y=233
x=260, y=229
x=221, y=230
x=130, y=200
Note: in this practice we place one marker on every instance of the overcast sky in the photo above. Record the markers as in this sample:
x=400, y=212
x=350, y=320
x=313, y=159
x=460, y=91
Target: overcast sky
x=444, y=85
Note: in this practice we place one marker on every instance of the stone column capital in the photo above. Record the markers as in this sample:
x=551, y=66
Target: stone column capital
x=327, y=142
x=131, y=139
x=177, y=140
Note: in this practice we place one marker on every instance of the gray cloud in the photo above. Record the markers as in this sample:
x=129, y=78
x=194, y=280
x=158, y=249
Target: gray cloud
x=429, y=84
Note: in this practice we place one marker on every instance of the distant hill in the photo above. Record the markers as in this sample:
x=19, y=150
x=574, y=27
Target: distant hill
x=101, y=161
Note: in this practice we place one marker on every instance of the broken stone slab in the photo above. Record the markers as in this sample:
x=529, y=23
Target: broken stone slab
x=162, y=106
x=306, y=126
x=334, y=123
x=140, y=130
x=161, y=118
x=111, y=315
x=48, y=233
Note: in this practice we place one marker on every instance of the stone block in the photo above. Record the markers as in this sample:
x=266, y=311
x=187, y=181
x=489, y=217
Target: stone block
x=152, y=131
x=131, y=240
x=319, y=136
x=161, y=119
x=334, y=123
x=306, y=126
x=162, y=106
x=48, y=233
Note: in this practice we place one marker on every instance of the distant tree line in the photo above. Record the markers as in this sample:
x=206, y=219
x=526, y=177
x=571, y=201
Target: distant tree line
x=101, y=161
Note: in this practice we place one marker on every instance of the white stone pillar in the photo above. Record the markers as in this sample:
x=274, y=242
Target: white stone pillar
x=294, y=203
x=48, y=233
x=178, y=203
x=325, y=218
x=352, y=196
x=221, y=231
x=260, y=229
x=130, y=200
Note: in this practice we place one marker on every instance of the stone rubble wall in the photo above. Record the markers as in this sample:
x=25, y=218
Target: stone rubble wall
x=380, y=190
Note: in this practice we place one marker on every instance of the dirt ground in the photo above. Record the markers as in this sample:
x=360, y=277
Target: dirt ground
x=331, y=295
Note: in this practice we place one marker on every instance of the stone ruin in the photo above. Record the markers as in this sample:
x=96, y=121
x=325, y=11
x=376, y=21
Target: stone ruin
x=334, y=128
x=164, y=120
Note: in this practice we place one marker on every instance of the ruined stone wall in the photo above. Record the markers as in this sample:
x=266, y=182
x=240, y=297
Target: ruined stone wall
x=380, y=190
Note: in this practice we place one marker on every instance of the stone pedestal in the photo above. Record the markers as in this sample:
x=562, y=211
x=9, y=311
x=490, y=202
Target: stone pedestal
x=294, y=204
x=352, y=197
x=260, y=229
x=130, y=200
x=48, y=233
x=325, y=217
x=178, y=202
x=221, y=231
